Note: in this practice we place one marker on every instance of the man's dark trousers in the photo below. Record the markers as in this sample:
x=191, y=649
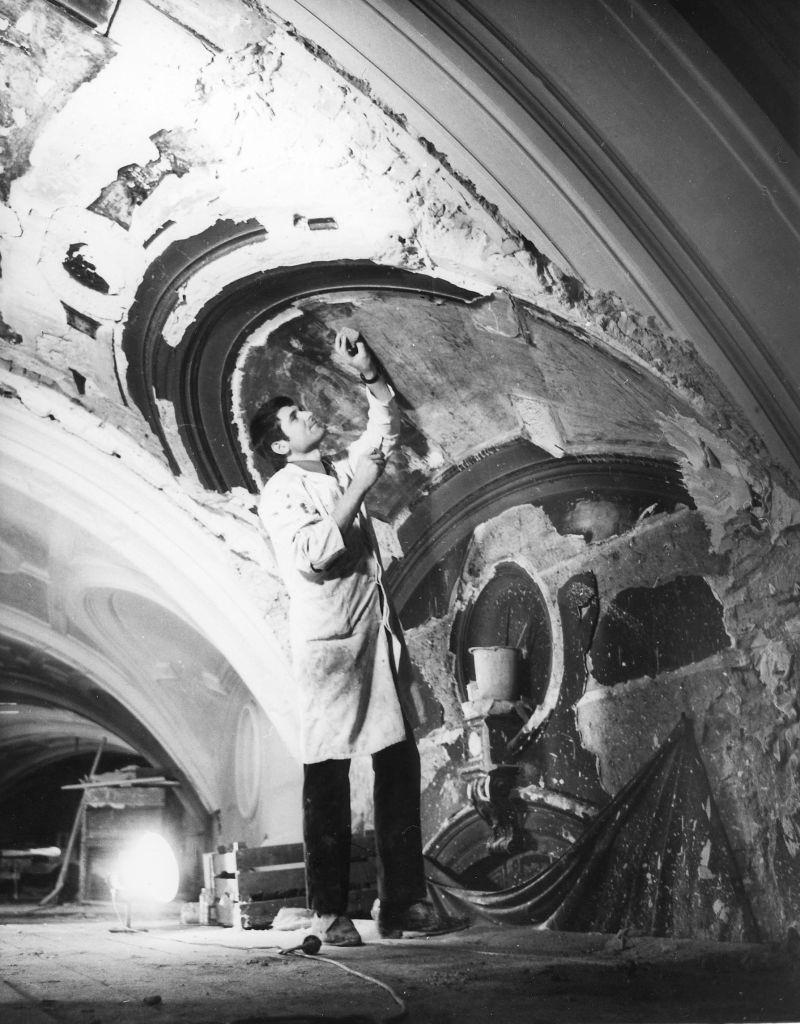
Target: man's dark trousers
x=398, y=838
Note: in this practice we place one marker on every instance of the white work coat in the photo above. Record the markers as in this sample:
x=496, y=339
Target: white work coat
x=345, y=638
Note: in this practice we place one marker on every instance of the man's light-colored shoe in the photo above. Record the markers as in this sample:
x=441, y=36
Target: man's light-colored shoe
x=335, y=930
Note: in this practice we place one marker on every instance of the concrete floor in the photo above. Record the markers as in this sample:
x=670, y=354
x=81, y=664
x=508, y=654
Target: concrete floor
x=65, y=964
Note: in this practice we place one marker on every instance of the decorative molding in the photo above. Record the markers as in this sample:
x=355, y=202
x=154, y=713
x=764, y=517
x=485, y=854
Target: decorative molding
x=194, y=375
x=626, y=192
x=515, y=475
x=548, y=167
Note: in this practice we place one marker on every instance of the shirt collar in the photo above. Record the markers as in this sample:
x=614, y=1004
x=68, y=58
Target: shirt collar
x=322, y=466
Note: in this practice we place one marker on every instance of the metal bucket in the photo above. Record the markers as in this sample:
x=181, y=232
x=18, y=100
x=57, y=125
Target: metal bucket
x=497, y=671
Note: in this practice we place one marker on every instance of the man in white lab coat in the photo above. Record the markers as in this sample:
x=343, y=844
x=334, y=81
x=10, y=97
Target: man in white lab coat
x=350, y=663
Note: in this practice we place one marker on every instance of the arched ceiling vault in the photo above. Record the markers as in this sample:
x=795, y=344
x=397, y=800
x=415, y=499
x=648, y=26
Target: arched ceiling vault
x=92, y=591
x=559, y=257
x=33, y=736
x=627, y=180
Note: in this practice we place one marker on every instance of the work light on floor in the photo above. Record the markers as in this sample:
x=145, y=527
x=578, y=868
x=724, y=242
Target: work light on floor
x=146, y=872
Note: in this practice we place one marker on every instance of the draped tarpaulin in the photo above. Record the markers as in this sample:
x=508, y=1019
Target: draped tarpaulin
x=656, y=859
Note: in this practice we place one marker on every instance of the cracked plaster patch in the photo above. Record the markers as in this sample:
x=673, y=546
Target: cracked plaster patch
x=75, y=352
x=717, y=477
x=524, y=531
x=539, y=422
x=623, y=725
x=434, y=752
x=119, y=199
x=776, y=663
x=428, y=647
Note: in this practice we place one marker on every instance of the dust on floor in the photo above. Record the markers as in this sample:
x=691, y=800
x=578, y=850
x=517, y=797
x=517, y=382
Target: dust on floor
x=74, y=965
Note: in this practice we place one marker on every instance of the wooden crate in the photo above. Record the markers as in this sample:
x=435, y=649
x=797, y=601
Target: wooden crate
x=247, y=886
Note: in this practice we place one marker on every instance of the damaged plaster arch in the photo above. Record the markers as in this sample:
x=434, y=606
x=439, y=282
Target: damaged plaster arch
x=427, y=220
x=197, y=309
x=523, y=503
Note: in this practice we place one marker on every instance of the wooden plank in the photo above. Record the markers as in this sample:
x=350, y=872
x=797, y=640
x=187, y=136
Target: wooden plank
x=158, y=783
x=362, y=848
x=268, y=869
x=261, y=856
x=273, y=880
x=223, y=862
x=273, y=883
x=291, y=878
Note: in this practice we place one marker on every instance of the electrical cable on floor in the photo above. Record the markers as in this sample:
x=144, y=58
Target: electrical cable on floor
x=307, y=1018
x=397, y=1015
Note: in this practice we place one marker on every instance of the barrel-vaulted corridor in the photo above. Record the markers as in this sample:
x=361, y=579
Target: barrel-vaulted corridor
x=570, y=234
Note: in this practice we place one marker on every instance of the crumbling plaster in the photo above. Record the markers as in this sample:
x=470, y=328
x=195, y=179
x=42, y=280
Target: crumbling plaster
x=231, y=123
x=743, y=701
x=156, y=135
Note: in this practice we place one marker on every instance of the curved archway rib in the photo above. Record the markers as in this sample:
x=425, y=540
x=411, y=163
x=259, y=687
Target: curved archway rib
x=195, y=374
x=517, y=474
x=31, y=677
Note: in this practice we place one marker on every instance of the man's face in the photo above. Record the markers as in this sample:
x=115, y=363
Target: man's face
x=302, y=432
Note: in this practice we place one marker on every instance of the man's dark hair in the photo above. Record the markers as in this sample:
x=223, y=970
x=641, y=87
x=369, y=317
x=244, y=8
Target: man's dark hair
x=265, y=428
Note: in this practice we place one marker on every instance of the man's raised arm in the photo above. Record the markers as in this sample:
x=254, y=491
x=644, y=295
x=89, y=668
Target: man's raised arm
x=367, y=454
